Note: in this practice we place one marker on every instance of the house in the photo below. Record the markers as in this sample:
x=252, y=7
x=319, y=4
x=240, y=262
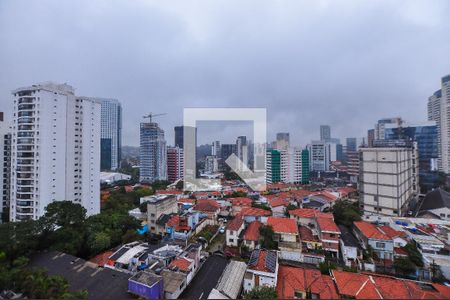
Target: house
x=230, y=283
x=251, y=214
x=350, y=248
x=157, y=206
x=307, y=216
x=234, y=230
x=174, y=283
x=262, y=270
x=436, y=205
x=374, y=286
x=311, y=245
x=209, y=208
x=251, y=235
x=301, y=283
x=277, y=205
x=398, y=237
x=286, y=234
x=238, y=203
x=329, y=234
x=183, y=265
x=146, y=285
x=369, y=234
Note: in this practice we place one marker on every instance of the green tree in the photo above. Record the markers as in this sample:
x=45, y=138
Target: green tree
x=179, y=185
x=326, y=266
x=346, y=212
x=414, y=254
x=262, y=292
x=101, y=241
x=404, y=265
x=267, y=237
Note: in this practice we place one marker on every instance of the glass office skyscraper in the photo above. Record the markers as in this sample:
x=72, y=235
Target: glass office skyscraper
x=426, y=136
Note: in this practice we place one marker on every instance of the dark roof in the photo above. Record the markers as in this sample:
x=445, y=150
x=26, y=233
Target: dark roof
x=146, y=278
x=347, y=237
x=163, y=219
x=101, y=283
x=437, y=198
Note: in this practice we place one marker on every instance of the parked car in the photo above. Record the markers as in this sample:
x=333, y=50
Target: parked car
x=222, y=229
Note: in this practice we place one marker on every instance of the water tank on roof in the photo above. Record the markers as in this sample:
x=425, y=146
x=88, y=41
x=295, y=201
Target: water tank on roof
x=398, y=222
x=404, y=224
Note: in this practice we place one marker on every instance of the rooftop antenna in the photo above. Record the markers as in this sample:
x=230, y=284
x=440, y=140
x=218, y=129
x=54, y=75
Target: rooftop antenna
x=151, y=115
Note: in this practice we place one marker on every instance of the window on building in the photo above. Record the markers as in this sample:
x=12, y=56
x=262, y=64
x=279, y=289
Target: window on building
x=380, y=245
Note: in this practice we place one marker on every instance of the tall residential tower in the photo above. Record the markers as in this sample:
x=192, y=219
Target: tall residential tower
x=55, y=150
x=153, y=153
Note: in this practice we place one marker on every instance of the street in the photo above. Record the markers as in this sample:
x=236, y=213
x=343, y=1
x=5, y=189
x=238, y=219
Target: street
x=206, y=279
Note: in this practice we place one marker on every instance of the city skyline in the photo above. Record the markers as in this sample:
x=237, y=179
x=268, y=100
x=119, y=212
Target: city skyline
x=212, y=56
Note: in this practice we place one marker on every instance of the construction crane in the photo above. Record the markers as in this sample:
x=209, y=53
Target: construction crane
x=151, y=115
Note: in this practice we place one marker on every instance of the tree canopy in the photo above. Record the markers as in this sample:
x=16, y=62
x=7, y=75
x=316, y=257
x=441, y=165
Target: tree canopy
x=262, y=292
x=346, y=212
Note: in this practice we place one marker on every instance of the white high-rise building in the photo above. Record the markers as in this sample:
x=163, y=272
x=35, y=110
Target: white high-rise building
x=319, y=156
x=215, y=149
x=439, y=110
x=152, y=153
x=55, y=152
x=111, y=133
x=389, y=179
x=5, y=167
x=284, y=166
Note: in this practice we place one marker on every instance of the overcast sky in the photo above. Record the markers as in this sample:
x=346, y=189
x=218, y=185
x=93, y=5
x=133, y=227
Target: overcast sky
x=342, y=63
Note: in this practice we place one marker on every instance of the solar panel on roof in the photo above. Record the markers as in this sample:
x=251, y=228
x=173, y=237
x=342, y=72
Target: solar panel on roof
x=254, y=258
x=271, y=261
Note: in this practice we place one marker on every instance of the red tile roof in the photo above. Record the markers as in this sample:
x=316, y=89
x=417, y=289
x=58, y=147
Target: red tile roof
x=207, y=206
x=374, y=286
x=181, y=263
x=236, y=223
x=254, y=211
x=283, y=225
x=174, y=221
x=252, y=231
x=392, y=233
x=292, y=279
x=275, y=202
x=371, y=231
x=240, y=201
x=309, y=213
x=102, y=258
x=326, y=196
x=328, y=225
x=300, y=193
x=400, y=252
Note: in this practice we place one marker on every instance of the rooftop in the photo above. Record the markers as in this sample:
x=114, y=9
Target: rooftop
x=347, y=237
x=283, y=225
x=252, y=231
x=263, y=260
x=292, y=279
x=147, y=278
x=101, y=283
x=253, y=211
x=236, y=223
x=231, y=280
x=371, y=231
x=327, y=225
x=207, y=206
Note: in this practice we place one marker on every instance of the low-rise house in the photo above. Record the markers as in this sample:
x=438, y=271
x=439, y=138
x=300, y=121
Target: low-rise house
x=374, y=286
x=329, y=234
x=251, y=214
x=157, y=206
x=301, y=283
x=230, y=283
x=350, y=248
x=234, y=230
x=251, y=235
x=146, y=285
x=174, y=283
x=209, y=208
x=436, y=204
x=184, y=265
x=277, y=205
x=311, y=245
x=307, y=216
x=262, y=269
x=286, y=234
x=238, y=203
x=369, y=234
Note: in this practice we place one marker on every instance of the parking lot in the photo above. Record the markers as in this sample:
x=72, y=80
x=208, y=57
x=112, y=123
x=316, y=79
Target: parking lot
x=206, y=279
